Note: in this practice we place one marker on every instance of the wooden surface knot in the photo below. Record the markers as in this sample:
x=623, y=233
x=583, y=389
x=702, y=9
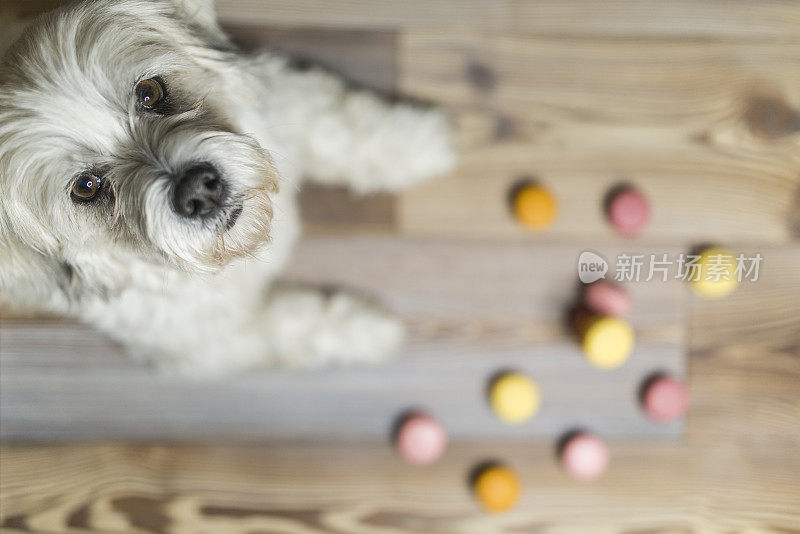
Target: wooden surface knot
x=771, y=118
x=481, y=76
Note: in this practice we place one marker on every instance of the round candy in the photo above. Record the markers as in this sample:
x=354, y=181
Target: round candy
x=665, y=399
x=497, y=488
x=514, y=398
x=628, y=211
x=607, y=298
x=535, y=207
x=608, y=342
x=716, y=274
x=585, y=457
x=421, y=439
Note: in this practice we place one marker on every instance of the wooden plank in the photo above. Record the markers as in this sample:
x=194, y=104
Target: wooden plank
x=472, y=309
x=328, y=210
x=348, y=14
x=729, y=484
x=573, y=17
x=757, y=317
x=709, y=130
x=364, y=14
x=28, y=8
x=367, y=58
x=11, y=28
x=728, y=19
x=739, y=19
x=736, y=470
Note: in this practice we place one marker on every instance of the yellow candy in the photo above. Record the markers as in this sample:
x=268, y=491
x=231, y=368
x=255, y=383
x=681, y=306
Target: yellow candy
x=608, y=342
x=716, y=276
x=514, y=398
x=535, y=207
x=498, y=488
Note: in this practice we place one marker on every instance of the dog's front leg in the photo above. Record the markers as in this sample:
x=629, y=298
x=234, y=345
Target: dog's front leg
x=310, y=327
x=357, y=138
x=294, y=327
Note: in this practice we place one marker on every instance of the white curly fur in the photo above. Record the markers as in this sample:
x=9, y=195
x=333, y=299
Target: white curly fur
x=193, y=297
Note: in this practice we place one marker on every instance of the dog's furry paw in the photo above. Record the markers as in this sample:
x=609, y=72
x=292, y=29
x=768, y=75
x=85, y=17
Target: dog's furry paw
x=313, y=328
x=355, y=330
x=430, y=144
x=406, y=145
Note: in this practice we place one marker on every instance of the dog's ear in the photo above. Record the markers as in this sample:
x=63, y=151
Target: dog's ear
x=202, y=16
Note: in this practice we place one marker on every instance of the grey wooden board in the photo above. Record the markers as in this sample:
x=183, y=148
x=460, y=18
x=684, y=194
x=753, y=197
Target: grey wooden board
x=368, y=58
x=473, y=309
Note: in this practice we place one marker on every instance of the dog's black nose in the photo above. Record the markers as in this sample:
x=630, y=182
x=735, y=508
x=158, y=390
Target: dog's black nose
x=199, y=192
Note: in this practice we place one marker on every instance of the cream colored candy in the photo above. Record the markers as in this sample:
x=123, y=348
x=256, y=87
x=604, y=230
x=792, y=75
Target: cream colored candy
x=514, y=398
x=607, y=341
x=716, y=276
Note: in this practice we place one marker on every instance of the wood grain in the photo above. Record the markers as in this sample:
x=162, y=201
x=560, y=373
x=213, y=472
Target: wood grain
x=695, y=101
x=763, y=316
x=501, y=306
x=711, y=19
x=335, y=210
x=710, y=483
x=735, y=471
x=572, y=17
x=700, y=126
x=364, y=57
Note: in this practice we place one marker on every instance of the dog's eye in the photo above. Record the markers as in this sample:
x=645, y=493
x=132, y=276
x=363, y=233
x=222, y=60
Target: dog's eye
x=86, y=187
x=149, y=93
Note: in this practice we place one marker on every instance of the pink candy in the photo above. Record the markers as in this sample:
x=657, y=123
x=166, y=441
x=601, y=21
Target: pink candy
x=585, y=457
x=420, y=439
x=607, y=298
x=665, y=399
x=628, y=211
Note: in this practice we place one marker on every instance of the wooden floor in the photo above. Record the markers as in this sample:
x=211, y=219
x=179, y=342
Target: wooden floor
x=698, y=103
x=500, y=306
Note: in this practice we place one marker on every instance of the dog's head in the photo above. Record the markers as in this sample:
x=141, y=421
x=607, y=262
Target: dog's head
x=119, y=140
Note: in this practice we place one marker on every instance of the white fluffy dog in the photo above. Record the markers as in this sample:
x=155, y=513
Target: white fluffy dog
x=149, y=174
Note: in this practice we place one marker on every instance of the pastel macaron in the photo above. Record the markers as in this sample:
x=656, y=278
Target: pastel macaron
x=716, y=273
x=607, y=298
x=514, y=398
x=497, y=487
x=420, y=439
x=534, y=206
x=665, y=399
x=628, y=211
x=607, y=342
x=585, y=457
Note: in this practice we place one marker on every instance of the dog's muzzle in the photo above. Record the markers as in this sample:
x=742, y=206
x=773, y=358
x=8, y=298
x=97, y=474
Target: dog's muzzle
x=199, y=192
